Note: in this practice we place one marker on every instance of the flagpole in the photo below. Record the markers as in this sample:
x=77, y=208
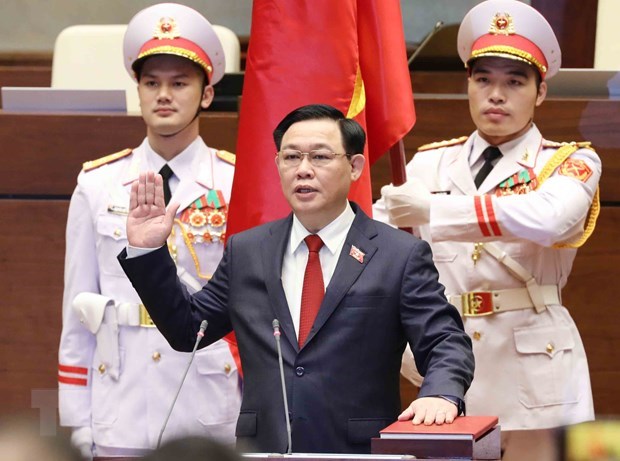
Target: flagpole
x=397, y=163
x=397, y=169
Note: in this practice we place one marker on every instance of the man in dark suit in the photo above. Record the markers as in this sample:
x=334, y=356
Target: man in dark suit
x=342, y=366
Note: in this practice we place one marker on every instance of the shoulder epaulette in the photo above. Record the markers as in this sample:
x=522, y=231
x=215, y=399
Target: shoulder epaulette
x=93, y=164
x=579, y=145
x=447, y=143
x=228, y=157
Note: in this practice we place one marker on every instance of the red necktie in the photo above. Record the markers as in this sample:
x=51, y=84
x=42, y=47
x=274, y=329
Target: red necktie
x=313, y=289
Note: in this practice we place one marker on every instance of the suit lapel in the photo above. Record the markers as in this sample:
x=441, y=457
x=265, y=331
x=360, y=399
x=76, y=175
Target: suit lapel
x=349, y=268
x=272, y=253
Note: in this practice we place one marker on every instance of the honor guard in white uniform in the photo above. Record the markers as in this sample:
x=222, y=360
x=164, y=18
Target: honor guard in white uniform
x=117, y=374
x=505, y=210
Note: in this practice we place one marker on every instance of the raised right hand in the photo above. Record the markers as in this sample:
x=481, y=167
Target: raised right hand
x=149, y=223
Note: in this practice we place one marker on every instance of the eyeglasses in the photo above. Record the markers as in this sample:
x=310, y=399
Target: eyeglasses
x=319, y=157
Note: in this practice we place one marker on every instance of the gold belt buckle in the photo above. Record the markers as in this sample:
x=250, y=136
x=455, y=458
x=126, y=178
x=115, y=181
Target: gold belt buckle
x=477, y=303
x=145, y=318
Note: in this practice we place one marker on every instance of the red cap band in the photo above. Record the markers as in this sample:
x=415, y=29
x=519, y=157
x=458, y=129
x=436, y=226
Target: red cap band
x=510, y=46
x=180, y=47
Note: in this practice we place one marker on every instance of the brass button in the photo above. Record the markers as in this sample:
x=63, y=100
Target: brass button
x=550, y=348
x=477, y=335
x=101, y=368
x=227, y=368
x=117, y=232
x=156, y=356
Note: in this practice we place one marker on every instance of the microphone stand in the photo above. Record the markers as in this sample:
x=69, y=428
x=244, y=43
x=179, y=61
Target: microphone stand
x=199, y=336
x=436, y=29
x=276, y=334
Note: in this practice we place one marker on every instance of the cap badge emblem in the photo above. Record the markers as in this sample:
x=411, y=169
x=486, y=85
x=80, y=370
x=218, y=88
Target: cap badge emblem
x=166, y=28
x=502, y=24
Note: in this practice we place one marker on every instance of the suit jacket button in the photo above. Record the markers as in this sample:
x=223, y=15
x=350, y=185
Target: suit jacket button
x=299, y=371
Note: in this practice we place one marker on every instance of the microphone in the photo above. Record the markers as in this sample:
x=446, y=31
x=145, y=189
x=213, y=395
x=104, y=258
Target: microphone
x=436, y=29
x=199, y=336
x=276, y=334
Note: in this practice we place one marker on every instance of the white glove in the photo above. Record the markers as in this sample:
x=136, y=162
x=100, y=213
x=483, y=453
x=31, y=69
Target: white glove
x=82, y=439
x=408, y=205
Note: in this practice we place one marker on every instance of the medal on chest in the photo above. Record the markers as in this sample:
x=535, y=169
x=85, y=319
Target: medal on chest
x=522, y=182
x=205, y=219
x=203, y=222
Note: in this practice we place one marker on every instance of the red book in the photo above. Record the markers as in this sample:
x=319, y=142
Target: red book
x=463, y=427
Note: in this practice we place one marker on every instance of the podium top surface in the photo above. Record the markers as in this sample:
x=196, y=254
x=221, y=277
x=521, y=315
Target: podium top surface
x=325, y=456
x=309, y=456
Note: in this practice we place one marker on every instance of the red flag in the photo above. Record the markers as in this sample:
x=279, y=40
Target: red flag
x=346, y=53
x=383, y=59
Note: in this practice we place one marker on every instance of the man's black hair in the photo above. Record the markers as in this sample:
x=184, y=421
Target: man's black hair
x=353, y=135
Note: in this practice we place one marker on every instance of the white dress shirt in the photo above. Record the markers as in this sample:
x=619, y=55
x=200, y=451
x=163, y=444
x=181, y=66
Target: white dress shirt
x=296, y=257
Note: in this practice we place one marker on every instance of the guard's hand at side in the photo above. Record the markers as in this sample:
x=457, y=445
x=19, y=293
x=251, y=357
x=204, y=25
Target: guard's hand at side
x=407, y=205
x=149, y=223
x=429, y=410
x=82, y=439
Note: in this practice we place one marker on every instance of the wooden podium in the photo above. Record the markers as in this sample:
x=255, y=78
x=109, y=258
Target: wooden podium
x=319, y=457
x=346, y=457
x=468, y=437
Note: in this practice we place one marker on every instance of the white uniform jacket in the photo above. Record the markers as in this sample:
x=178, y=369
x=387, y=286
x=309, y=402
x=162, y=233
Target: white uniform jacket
x=531, y=368
x=115, y=375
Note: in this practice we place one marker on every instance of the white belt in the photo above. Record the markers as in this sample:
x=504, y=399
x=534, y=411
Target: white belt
x=101, y=315
x=478, y=303
x=133, y=315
